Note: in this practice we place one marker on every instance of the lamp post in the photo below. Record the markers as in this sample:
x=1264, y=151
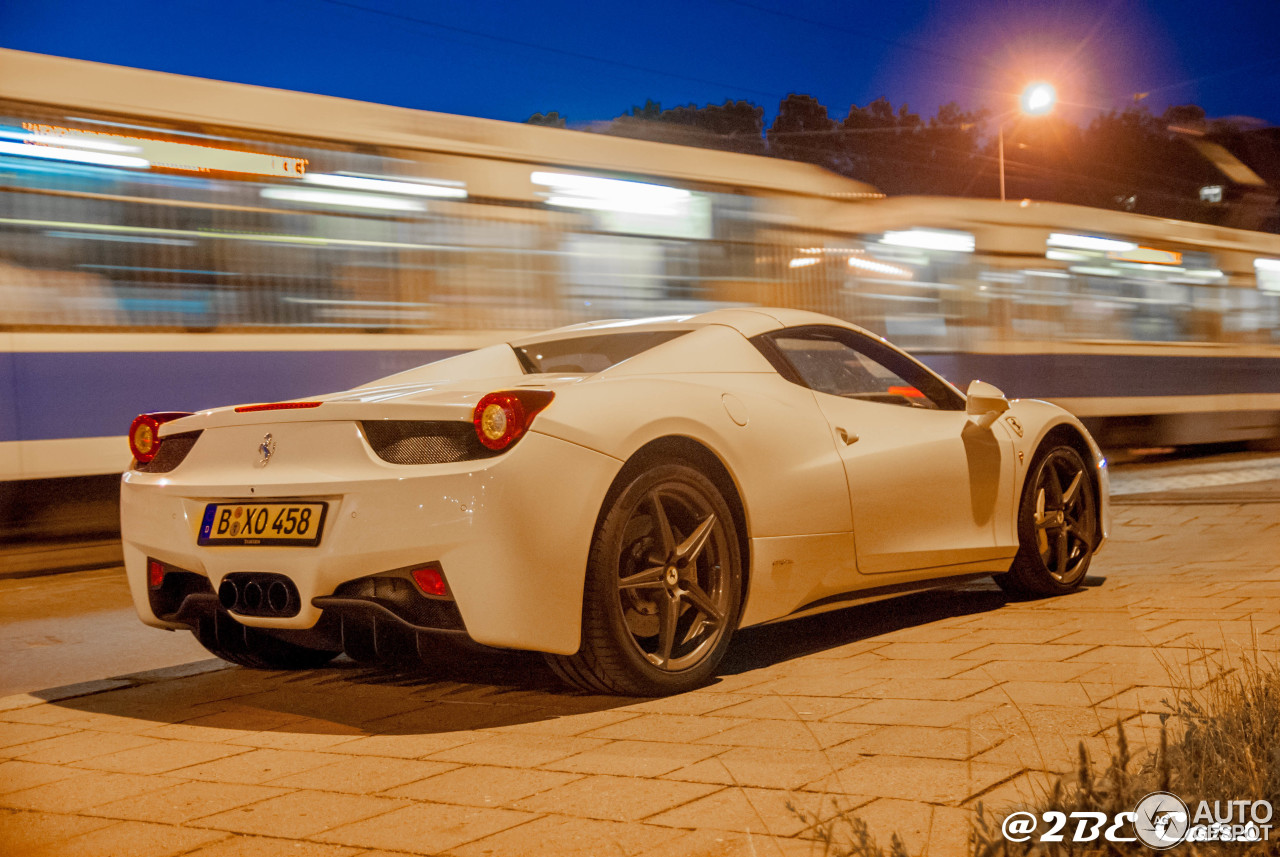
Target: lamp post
x=1037, y=100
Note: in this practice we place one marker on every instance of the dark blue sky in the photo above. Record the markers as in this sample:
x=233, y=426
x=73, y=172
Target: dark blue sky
x=507, y=60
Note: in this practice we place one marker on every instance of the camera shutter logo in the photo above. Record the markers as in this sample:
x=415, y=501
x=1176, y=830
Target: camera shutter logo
x=1161, y=820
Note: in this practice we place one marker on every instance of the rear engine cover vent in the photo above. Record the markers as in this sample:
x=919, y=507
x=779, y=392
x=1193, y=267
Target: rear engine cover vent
x=172, y=450
x=424, y=441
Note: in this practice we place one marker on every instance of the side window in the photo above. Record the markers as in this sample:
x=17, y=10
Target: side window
x=842, y=363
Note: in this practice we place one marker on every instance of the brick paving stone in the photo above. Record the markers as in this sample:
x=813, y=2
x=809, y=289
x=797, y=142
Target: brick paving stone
x=763, y=768
x=564, y=836
x=834, y=684
x=887, y=669
x=915, y=712
x=15, y=734
x=427, y=828
x=722, y=843
x=300, y=814
x=573, y=724
x=948, y=832
x=926, y=634
x=243, y=845
x=185, y=801
x=255, y=766
x=786, y=735
x=1001, y=671
x=518, y=751
x=780, y=707
x=88, y=789
x=405, y=746
x=362, y=774
x=16, y=776
x=926, y=651
x=24, y=832
x=919, y=688
x=1076, y=693
x=1037, y=636
x=910, y=778
x=78, y=746
x=483, y=785
x=616, y=798
x=161, y=757
x=702, y=701
x=130, y=838
x=926, y=742
x=1026, y=789
x=910, y=820
x=308, y=734
x=1019, y=651
x=776, y=812
x=677, y=728
x=626, y=758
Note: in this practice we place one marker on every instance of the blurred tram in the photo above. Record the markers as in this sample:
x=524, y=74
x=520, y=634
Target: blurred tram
x=175, y=242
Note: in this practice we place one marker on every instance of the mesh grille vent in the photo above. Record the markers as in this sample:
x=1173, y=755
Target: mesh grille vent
x=424, y=441
x=173, y=449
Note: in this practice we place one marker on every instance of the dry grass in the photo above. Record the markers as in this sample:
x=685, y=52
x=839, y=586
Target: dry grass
x=1227, y=747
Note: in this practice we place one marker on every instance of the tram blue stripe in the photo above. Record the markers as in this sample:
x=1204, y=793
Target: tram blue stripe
x=1071, y=376
x=8, y=399
x=48, y=396
x=67, y=395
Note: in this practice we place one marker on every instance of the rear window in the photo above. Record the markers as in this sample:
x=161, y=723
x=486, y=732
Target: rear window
x=589, y=354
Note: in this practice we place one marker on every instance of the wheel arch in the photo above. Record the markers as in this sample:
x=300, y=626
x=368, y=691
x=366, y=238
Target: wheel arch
x=685, y=448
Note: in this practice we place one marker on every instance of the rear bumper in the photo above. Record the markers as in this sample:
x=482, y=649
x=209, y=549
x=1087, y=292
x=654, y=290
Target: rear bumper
x=511, y=534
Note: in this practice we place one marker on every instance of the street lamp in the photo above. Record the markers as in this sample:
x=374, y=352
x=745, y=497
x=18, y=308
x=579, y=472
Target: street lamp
x=1037, y=100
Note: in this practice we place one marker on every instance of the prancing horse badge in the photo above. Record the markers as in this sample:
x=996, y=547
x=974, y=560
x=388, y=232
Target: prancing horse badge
x=268, y=448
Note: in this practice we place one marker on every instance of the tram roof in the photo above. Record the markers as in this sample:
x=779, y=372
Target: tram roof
x=81, y=84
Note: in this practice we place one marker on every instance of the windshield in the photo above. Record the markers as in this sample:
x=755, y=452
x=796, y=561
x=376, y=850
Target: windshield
x=589, y=354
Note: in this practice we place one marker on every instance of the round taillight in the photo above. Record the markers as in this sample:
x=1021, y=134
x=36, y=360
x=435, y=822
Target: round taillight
x=144, y=437
x=144, y=433
x=501, y=418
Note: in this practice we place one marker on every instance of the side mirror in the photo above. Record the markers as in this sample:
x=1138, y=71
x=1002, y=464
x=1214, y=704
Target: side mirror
x=986, y=403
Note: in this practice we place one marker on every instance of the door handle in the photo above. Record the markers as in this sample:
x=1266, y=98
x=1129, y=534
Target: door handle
x=848, y=437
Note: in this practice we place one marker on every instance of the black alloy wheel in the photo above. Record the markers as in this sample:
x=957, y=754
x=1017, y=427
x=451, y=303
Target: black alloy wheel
x=1057, y=525
x=663, y=590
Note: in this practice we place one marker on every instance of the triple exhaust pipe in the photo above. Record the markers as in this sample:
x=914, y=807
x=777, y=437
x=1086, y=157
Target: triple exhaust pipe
x=258, y=595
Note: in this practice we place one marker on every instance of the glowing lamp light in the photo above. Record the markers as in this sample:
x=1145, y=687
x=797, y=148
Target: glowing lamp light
x=502, y=418
x=430, y=581
x=1038, y=99
x=155, y=573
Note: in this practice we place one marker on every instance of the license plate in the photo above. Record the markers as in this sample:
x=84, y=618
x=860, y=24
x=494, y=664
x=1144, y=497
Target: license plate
x=293, y=524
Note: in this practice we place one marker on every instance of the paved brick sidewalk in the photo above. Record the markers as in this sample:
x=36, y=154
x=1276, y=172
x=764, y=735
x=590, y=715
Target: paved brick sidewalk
x=908, y=712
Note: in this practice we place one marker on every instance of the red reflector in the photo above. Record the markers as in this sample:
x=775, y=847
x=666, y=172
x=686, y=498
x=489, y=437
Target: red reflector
x=277, y=406
x=155, y=573
x=430, y=580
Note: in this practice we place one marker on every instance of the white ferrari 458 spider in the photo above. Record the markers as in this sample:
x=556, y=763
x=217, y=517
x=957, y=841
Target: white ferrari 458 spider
x=619, y=495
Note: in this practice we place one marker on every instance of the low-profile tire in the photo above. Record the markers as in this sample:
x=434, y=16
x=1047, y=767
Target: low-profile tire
x=255, y=648
x=1057, y=525
x=663, y=588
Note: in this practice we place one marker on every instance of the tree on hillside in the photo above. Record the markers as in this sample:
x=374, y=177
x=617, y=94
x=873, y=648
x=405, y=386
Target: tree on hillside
x=735, y=126
x=551, y=120
x=803, y=131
